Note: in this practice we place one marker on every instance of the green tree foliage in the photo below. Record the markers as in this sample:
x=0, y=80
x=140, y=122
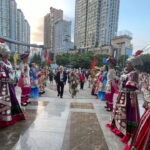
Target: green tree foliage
x=36, y=59
x=79, y=61
x=100, y=58
x=146, y=63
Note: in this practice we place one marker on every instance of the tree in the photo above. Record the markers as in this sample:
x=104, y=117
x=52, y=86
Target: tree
x=80, y=61
x=36, y=59
x=146, y=63
x=122, y=60
x=100, y=58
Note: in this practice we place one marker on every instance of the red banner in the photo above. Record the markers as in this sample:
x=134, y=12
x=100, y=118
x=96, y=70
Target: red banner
x=49, y=61
x=92, y=64
x=45, y=56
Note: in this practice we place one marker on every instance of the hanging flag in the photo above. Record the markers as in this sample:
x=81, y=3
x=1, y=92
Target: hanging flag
x=45, y=56
x=104, y=60
x=2, y=41
x=92, y=64
x=15, y=58
x=95, y=58
x=49, y=61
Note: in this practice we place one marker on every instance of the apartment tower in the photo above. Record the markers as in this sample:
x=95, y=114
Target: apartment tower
x=96, y=22
x=49, y=26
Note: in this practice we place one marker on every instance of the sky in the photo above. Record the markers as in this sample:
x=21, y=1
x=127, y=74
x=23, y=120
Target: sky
x=134, y=16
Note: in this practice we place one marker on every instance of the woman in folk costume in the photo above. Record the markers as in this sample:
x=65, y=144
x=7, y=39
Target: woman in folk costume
x=110, y=85
x=141, y=137
x=41, y=79
x=10, y=111
x=33, y=81
x=103, y=82
x=126, y=115
x=24, y=80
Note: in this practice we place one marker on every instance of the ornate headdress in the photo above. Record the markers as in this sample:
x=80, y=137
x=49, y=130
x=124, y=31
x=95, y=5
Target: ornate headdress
x=24, y=55
x=4, y=49
x=135, y=60
x=112, y=60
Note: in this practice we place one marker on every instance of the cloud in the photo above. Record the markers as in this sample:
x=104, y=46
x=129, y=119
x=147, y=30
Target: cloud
x=38, y=31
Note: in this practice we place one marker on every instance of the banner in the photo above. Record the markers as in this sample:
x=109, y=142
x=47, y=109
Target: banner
x=92, y=64
x=49, y=61
x=45, y=56
x=15, y=58
x=104, y=60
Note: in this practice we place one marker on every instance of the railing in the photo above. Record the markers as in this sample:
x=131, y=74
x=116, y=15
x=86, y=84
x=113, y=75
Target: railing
x=22, y=43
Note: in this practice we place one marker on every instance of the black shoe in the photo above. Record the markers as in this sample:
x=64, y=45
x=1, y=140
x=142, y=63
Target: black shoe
x=61, y=96
x=108, y=109
x=57, y=95
x=24, y=104
x=28, y=102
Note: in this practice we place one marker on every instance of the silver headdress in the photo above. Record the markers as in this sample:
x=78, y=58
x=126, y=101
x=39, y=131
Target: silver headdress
x=135, y=60
x=4, y=49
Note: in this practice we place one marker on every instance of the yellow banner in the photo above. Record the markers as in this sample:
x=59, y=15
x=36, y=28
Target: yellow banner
x=15, y=58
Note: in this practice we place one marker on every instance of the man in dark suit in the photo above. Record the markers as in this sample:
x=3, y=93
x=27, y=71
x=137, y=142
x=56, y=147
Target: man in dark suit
x=61, y=78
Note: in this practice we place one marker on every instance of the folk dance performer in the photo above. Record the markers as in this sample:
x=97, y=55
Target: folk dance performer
x=10, y=111
x=33, y=81
x=141, y=137
x=110, y=84
x=24, y=80
x=126, y=114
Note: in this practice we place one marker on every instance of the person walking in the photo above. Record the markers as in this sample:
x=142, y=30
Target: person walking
x=10, y=111
x=73, y=85
x=61, y=78
x=82, y=80
x=24, y=79
x=51, y=77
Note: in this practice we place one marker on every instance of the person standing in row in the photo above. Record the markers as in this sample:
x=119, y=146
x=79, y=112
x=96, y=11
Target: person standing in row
x=24, y=80
x=61, y=78
x=10, y=111
x=34, y=81
x=126, y=113
x=103, y=82
x=141, y=137
x=110, y=90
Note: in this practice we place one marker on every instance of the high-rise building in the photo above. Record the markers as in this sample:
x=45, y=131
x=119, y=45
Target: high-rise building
x=13, y=23
x=63, y=35
x=96, y=22
x=47, y=30
x=4, y=18
x=26, y=33
x=20, y=29
x=49, y=22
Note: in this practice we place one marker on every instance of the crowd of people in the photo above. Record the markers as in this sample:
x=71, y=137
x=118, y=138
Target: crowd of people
x=125, y=119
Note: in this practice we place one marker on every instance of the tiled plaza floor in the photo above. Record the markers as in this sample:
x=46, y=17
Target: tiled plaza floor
x=62, y=124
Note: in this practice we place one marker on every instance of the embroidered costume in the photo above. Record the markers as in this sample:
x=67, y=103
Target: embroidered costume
x=34, y=83
x=141, y=137
x=10, y=111
x=24, y=80
x=110, y=85
x=126, y=115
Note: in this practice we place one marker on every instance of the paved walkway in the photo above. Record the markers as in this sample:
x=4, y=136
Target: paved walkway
x=67, y=124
